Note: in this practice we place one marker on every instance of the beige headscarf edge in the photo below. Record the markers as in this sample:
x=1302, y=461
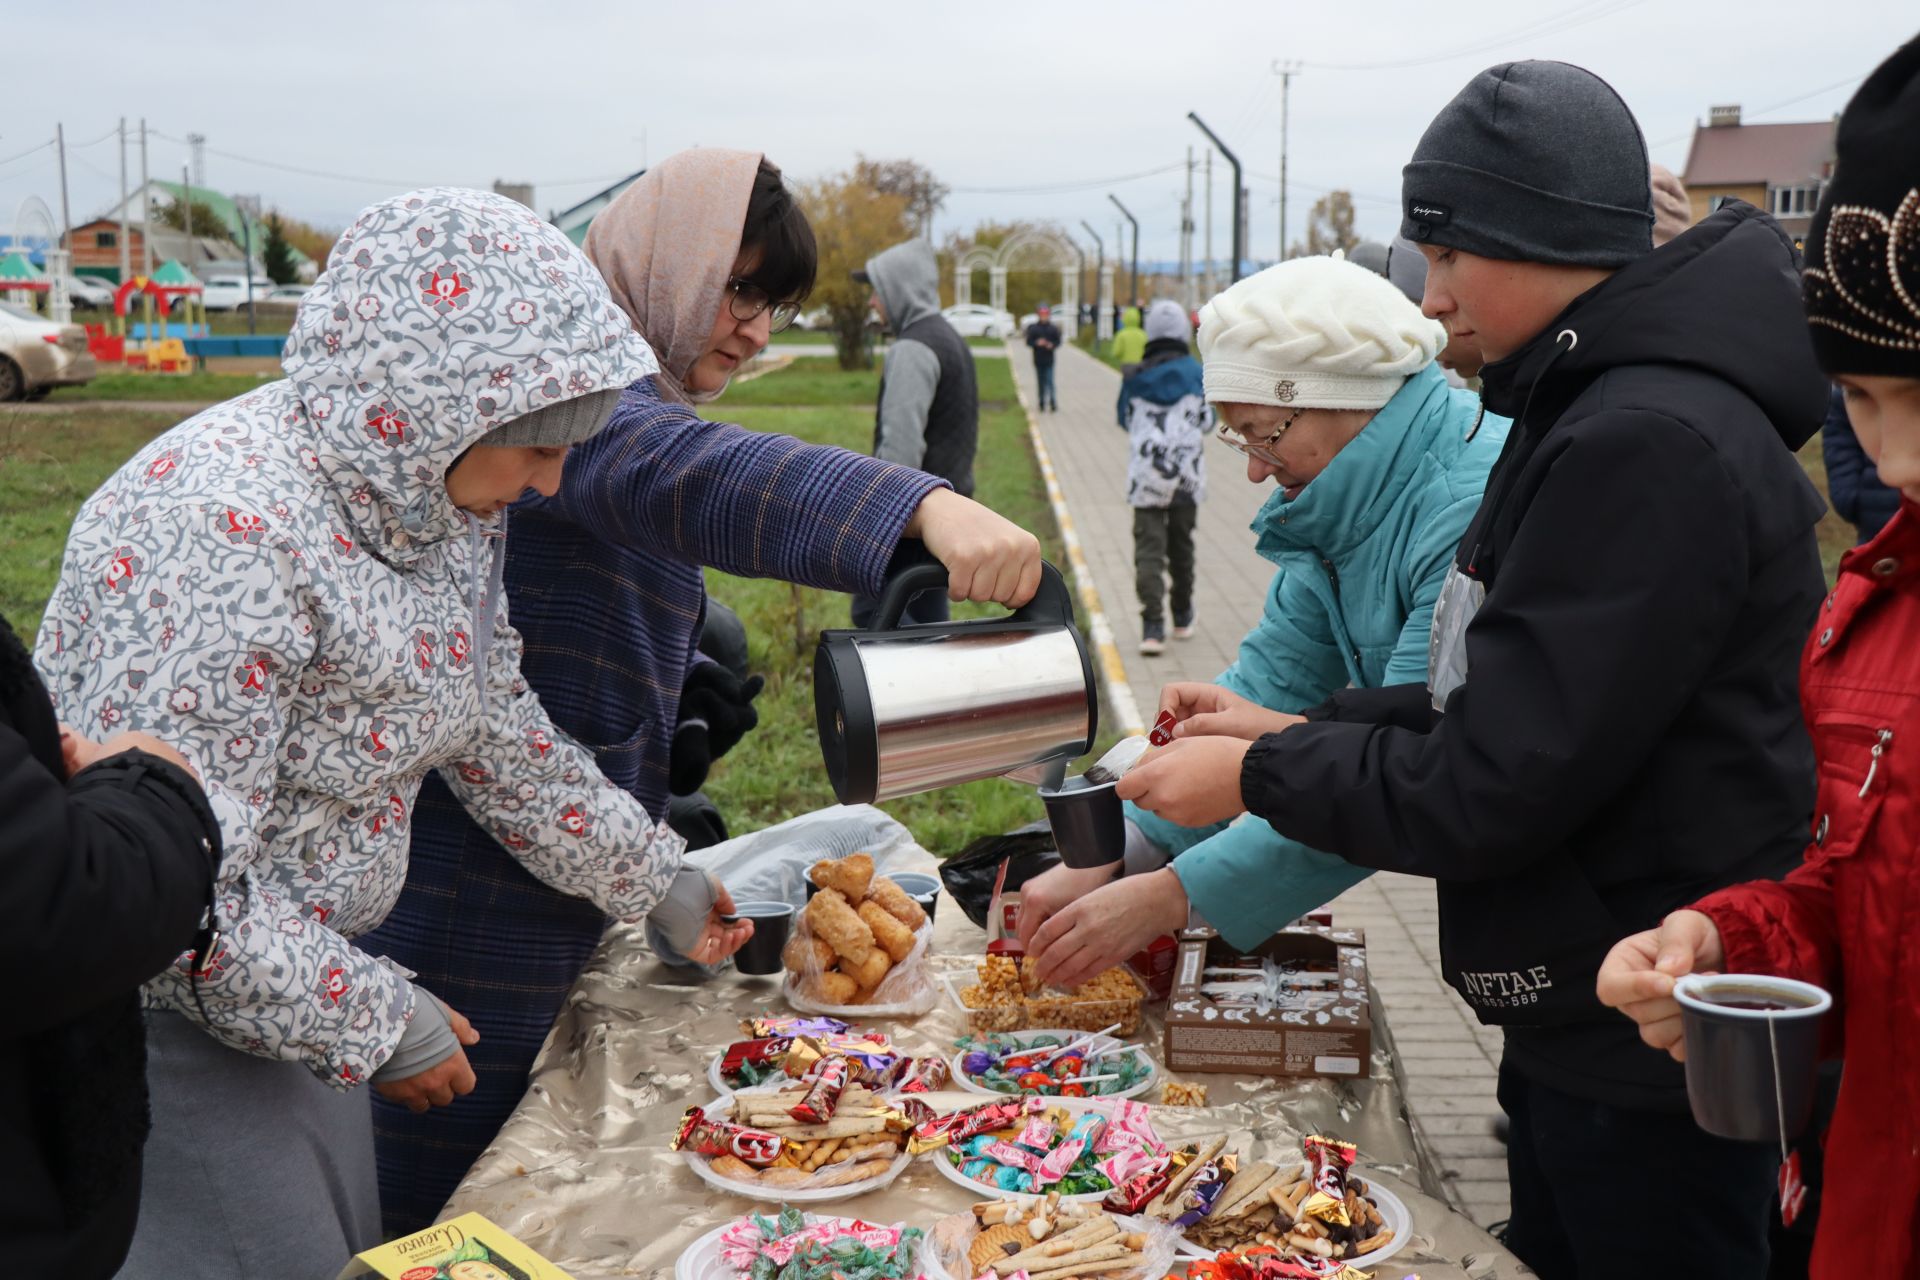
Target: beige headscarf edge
x=666, y=246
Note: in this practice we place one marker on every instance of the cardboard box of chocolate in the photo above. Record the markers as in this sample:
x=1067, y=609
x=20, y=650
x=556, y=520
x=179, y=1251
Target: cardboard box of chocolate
x=1316, y=1021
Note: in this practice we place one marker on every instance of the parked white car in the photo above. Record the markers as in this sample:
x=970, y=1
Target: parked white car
x=87, y=291
x=281, y=295
x=37, y=355
x=227, y=293
x=971, y=320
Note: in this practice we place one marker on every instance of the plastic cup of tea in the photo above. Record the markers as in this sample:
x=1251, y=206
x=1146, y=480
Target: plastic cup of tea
x=1753, y=1044
x=921, y=887
x=1089, y=826
x=772, y=921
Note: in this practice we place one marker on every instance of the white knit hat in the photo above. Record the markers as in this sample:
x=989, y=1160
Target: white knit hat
x=1314, y=333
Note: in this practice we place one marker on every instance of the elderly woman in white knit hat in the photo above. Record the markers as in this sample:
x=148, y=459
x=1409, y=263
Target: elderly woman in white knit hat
x=1323, y=376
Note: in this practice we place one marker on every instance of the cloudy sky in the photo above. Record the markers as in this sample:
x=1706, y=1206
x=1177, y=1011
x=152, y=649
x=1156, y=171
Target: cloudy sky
x=1026, y=110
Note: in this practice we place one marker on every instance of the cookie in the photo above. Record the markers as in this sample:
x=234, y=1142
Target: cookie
x=990, y=1245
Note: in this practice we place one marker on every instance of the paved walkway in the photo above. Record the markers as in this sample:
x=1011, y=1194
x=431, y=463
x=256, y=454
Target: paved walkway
x=1446, y=1058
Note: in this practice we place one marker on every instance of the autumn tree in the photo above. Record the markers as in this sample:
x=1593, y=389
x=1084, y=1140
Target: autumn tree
x=195, y=217
x=1329, y=226
x=914, y=182
x=852, y=221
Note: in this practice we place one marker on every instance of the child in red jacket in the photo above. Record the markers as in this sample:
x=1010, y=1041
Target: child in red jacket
x=1846, y=918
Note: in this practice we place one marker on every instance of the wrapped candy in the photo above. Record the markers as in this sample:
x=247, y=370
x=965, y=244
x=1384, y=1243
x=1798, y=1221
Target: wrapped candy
x=1135, y=1193
x=824, y=1087
x=764, y=1056
x=762, y=1027
x=941, y=1130
x=1198, y=1197
x=924, y=1075
x=1328, y=1160
x=705, y=1136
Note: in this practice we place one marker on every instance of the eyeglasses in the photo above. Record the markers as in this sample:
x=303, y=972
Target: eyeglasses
x=746, y=300
x=1261, y=448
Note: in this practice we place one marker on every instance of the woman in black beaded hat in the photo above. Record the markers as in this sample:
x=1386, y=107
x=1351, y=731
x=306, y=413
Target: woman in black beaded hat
x=1844, y=918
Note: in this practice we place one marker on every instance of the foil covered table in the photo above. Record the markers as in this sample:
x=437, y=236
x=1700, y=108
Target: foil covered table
x=583, y=1174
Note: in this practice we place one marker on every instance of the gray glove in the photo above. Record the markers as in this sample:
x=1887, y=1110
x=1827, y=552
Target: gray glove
x=677, y=920
x=427, y=1042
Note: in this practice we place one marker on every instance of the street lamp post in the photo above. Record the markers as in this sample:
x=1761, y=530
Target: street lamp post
x=1239, y=197
x=1102, y=318
x=1134, y=270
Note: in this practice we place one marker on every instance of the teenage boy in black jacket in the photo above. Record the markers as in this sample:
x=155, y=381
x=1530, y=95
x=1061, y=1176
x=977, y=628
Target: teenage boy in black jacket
x=107, y=858
x=1611, y=727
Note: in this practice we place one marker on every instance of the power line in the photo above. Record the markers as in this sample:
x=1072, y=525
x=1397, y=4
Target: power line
x=1776, y=106
x=1067, y=186
x=1578, y=16
x=29, y=151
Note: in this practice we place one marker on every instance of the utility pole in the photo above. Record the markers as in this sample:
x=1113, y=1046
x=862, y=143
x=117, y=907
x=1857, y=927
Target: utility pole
x=59, y=257
x=146, y=208
x=1286, y=71
x=1186, y=239
x=198, y=141
x=249, y=207
x=126, y=264
x=1209, y=236
x=1239, y=198
x=1134, y=270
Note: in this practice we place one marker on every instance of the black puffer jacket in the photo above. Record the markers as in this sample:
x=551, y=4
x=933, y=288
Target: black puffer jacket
x=1628, y=735
x=103, y=881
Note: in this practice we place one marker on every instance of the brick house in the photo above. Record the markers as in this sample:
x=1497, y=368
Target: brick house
x=1781, y=168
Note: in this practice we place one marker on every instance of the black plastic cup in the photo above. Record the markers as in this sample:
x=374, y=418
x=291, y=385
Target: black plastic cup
x=1738, y=1026
x=1089, y=827
x=921, y=887
x=772, y=922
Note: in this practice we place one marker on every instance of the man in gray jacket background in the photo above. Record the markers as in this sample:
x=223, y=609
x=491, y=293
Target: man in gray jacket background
x=929, y=415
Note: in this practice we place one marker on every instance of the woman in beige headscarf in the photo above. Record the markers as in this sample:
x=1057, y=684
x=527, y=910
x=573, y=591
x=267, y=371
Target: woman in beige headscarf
x=708, y=253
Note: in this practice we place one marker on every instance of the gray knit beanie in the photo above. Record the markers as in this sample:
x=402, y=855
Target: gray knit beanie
x=1532, y=162
x=1167, y=320
x=569, y=422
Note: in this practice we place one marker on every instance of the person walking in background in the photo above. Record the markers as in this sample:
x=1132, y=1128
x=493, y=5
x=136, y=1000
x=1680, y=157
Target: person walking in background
x=1163, y=409
x=1853, y=482
x=1043, y=336
x=1129, y=340
x=929, y=414
x=107, y=859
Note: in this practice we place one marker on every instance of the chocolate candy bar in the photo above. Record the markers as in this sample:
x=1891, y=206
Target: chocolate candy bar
x=824, y=1087
x=761, y=1053
x=1197, y=1198
x=1328, y=1159
x=705, y=1136
x=1135, y=1193
x=941, y=1130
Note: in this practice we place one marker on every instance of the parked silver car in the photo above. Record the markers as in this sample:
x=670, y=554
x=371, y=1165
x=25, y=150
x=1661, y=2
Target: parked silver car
x=37, y=355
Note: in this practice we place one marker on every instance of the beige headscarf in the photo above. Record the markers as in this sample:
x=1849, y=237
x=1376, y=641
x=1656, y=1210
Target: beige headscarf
x=666, y=246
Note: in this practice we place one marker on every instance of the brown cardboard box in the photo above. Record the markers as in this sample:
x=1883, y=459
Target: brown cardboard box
x=1203, y=1035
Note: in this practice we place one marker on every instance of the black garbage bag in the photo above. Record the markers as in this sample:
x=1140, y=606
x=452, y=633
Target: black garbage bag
x=969, y=874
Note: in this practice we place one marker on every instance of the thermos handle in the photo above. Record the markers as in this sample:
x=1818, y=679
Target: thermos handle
x=1051, y=604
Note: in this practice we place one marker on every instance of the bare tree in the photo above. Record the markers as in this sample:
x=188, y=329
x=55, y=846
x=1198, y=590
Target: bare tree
x=914, y=182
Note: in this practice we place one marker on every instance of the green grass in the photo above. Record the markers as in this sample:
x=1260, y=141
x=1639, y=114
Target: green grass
x=776, y=773
x=202, y=388
x=821, y=338
x=220, y=324
x=49, y=464
x=813, y=380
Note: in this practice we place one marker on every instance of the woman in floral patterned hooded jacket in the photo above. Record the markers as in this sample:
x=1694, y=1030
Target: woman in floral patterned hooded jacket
x=301, y=589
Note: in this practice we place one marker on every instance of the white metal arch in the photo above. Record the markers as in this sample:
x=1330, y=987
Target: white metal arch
x=34, y=209
x=963, y=268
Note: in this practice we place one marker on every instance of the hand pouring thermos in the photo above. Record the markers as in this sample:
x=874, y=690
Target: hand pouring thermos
x=902, y=710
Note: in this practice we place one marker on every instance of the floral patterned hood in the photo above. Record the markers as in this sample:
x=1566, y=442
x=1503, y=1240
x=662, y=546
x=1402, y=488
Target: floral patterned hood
x=443, y=314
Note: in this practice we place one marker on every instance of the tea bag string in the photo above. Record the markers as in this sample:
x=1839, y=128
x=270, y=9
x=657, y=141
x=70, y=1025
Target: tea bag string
x=1779, y=1096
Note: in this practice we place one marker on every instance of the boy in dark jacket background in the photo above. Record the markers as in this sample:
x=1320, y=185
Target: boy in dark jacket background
x=1610, y=728
x=1163, y=409
x=107, y=857
x=1043, y=337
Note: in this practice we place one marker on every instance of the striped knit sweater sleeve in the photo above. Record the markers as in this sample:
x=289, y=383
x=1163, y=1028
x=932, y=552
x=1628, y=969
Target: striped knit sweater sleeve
x=660, y=478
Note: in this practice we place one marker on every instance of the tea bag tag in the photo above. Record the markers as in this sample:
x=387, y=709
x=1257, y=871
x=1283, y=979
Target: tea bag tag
x=1793, y=1190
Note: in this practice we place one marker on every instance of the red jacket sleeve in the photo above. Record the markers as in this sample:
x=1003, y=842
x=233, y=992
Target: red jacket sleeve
x=1785, y=928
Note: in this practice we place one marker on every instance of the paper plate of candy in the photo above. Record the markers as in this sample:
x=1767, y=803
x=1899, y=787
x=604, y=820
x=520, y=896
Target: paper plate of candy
x=817, y=1139
x=1051, y=1064
x=1082, y=1148
x=792, y=1245
x=1047, y=1238
x=779, y=1050
x=1245, y=1219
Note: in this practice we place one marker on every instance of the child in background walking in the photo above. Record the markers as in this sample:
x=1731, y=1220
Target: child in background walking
x=1163, y=409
